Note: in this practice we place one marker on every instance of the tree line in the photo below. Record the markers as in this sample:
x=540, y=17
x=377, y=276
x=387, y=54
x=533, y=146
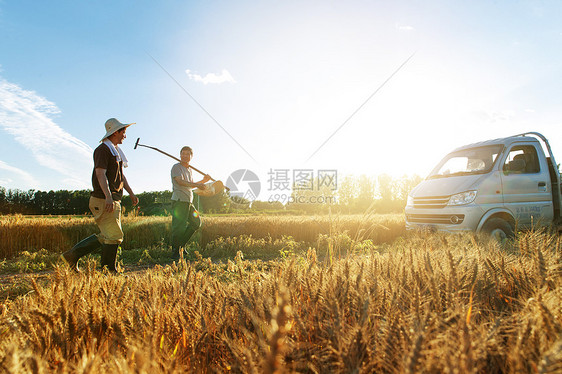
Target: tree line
x=63, y=202
x=358, y=194
x=381, y=194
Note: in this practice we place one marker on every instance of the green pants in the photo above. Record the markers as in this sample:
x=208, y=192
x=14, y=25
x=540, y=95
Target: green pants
x=185, y=221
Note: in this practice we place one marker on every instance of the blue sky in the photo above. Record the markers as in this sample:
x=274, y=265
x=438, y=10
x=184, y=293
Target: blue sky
x=279, y=77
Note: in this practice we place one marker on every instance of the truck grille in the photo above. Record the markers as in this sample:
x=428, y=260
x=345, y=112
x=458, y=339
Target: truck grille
x=455, y=219
x=435, y=202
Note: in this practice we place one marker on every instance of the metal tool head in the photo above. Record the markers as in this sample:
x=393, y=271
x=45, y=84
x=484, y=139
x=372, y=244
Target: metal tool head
x=137, y=143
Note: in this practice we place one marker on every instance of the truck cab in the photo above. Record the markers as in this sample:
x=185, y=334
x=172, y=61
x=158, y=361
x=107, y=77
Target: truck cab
x=495, y=186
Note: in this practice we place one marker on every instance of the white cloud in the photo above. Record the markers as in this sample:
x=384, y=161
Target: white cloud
x=492, y=116
x=28, y=118
x=404, y=27
x=211, y=77
x=77, y=184
x=24, y=177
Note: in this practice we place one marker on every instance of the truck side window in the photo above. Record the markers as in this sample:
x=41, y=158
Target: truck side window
x=522, y=159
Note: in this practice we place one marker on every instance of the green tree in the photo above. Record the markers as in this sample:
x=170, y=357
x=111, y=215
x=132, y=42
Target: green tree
x=384, y=187
x=365, y=195
x=259, y=205
x=3, y=201
x=347, y=193
x=219, y=203
x=312, y=198
x=403, y=186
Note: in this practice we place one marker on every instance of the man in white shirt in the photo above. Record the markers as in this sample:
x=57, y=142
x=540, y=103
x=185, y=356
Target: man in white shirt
x=185, y=218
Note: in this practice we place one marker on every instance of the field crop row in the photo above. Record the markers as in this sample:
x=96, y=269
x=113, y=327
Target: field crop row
x=18, y=233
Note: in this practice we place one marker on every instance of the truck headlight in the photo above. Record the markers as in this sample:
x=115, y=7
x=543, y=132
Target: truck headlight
x=463, y=198
x=410, y=201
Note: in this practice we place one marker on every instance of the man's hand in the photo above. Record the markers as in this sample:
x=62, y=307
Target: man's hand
x=201, y=186
x=206, y=178
x=135, y=199
x=109, y=204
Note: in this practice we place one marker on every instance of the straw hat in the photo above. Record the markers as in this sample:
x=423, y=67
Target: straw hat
x=112, y=125
x=211, y=189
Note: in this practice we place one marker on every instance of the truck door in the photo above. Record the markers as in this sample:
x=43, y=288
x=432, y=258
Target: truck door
x=526, y=185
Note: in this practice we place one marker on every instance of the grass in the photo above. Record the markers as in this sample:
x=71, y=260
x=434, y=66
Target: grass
x=30, y=262
x=423, y=303
x=13, y=288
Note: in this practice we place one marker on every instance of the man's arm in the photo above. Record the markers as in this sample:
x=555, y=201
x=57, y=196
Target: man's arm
x=205, y=179
x=104, y=184
x=128, y=188
x=183, y=183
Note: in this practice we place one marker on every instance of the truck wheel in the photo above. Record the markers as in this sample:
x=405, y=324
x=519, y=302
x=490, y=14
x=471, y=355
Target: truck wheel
x=498, y=229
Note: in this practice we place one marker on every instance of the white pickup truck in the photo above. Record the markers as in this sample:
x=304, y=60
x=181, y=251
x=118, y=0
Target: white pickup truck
x=495, y=186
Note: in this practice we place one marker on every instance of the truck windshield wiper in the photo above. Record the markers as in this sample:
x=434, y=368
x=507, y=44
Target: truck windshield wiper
x=457, y=174
x=462, y=173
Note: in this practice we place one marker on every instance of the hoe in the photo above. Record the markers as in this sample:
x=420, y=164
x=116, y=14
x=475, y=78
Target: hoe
x=211, y=188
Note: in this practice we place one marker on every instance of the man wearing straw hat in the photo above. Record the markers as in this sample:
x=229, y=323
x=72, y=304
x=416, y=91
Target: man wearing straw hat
x=108, y=182
x=185, y=218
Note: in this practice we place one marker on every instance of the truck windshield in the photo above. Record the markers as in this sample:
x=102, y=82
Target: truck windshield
x=468, y=161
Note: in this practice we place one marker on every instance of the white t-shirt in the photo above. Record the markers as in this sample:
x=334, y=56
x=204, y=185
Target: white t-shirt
x=181, y=193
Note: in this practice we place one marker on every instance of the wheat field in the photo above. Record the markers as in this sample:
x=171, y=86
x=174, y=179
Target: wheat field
x=425, y=303
x=56, y=234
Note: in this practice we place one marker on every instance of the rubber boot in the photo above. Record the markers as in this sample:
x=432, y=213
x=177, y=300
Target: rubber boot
x=186, y=237
x=82, y=248
x=176, y=253
x=188, y=234
x=109, y=257
x=178, y=246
